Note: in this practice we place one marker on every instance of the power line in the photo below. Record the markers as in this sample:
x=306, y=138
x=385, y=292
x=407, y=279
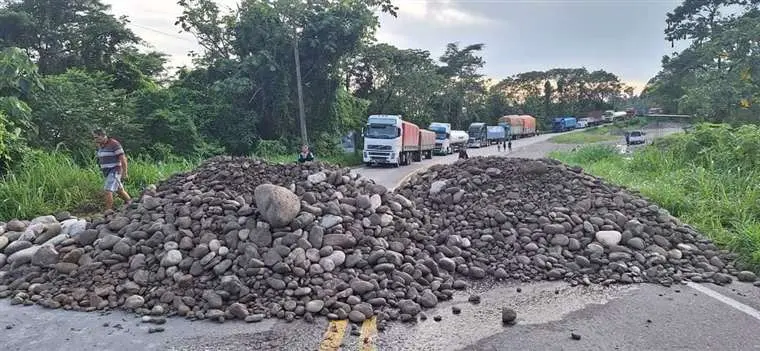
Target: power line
x=164, y=33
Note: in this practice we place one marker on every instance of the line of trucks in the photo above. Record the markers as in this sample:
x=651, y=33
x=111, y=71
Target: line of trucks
x=388, y=139
x=563, y=124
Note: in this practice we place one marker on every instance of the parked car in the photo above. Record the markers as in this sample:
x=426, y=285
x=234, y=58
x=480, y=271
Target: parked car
x=635, y=137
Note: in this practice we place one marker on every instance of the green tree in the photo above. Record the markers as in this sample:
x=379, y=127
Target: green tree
x=62, y=34
x=76, y=102
x=18, y=78
x=396, y=81
x=249, y=65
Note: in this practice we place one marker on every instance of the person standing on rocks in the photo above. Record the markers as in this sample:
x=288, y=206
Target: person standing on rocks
x=113, y=164
x=305, y=154
x=463, y=154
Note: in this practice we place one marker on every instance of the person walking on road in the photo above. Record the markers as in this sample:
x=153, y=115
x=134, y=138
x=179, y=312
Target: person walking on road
x=509, y=146
x=113, y=165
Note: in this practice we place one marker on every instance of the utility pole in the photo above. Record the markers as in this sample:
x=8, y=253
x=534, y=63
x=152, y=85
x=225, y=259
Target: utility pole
x=301, y=112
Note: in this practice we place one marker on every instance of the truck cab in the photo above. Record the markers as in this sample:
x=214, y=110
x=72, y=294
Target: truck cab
x=382, y=140
x=478, y=134
x=442, y=138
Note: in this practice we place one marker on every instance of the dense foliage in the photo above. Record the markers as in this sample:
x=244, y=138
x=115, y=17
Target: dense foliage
x=716, y=77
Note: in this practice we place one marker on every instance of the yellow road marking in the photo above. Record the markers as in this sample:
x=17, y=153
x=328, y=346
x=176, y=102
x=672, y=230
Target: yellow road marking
x=334, y=335
x=368, y=335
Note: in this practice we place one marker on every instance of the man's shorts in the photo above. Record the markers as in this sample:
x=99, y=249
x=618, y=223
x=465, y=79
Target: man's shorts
x=113, y=182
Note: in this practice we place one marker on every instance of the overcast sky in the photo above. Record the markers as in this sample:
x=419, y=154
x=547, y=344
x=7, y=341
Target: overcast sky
x=624, y=37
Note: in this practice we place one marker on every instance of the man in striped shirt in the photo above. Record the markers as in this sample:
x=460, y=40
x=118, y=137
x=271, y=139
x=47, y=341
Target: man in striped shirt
x=113, y=164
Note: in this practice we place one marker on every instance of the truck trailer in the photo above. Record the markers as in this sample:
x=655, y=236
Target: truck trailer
x=427, y=145
x=459, y=140
x=520, y=125
x=442, y=137
x=478, y=135
x=496, y=134
x=563, y=124
x=388, y=139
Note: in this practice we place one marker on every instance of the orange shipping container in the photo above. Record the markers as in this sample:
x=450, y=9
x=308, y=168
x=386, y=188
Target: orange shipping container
x=427, y=140
x=529, y=124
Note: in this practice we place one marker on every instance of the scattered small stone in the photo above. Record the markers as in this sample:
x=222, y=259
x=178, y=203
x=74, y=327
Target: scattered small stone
x=519, y=290
x=105, y=325
x=575, y=336
x=456, y=310
x=254, y=318
x=649, y=321
x=437, y=318
x=474, y=299
x=508, y=315
x=423, y=317
x=746, y=276
x=9, y=326
x=155, y=330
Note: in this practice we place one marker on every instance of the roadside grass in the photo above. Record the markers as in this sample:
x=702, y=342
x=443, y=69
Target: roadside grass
x=46, y=183
x=50, y=182
x=708, y=178
x=584, y=137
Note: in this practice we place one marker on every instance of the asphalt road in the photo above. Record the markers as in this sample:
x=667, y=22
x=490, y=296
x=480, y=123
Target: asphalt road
x=638, y=317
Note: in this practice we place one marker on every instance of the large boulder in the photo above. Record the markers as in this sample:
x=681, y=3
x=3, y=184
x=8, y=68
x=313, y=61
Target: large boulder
x=277, y=205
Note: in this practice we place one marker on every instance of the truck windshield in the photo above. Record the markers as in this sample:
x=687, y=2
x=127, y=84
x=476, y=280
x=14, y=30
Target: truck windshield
x=381, y=131
x=636, y=134
x=475, y=130
x=440, y=133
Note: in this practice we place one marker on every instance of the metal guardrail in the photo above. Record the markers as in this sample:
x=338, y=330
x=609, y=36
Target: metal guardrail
x=669, y=116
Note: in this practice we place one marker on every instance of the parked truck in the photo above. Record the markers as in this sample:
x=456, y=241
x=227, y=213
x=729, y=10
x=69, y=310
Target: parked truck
x=459, y=140
x=507, y=129
x=563, y=124
x=388, y=139
x=442, y=138
x=495, y=134
x=427, y=145
x=521, y=126
x=478, y=135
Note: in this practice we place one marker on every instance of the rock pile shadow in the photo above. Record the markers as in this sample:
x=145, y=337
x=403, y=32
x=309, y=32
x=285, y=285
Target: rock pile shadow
x=238, y=238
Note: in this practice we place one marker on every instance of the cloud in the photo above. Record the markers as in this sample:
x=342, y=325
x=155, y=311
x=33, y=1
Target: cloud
x=439, y=13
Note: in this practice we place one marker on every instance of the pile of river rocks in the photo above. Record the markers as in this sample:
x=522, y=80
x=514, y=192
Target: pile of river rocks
x=242, y=239
x=539, y=219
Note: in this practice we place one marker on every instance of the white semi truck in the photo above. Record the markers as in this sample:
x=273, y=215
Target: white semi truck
x=442, y=138
x=388, y=139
